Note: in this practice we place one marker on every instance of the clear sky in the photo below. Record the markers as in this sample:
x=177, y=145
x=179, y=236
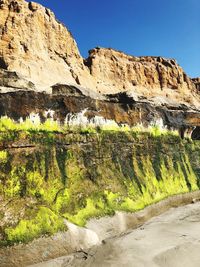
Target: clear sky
x=168, y=28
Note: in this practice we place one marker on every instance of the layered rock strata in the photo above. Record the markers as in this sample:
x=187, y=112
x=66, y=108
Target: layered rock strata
x=35, y=44
x=41, y=68
x=18, y=99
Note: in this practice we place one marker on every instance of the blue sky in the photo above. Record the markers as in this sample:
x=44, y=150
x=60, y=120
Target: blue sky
x=168, y=28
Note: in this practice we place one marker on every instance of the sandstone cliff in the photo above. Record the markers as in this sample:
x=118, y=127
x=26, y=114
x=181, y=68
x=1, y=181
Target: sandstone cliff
x=196, y=81
x=50, y=172
x=150, y=77
x=35, y=44
x=37, y=53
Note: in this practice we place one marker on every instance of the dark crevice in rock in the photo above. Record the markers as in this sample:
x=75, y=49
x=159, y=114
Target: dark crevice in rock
x=3, y=64
x=121, y=97
x=47, y=12
x=61, y=156
x=160, y=78
x=196, y=133
x=196, y=82
x=32, y=6
x=88, y=63
x=24, y=46
x=15, y=7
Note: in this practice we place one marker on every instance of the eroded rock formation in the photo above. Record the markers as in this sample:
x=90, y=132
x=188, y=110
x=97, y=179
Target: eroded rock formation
x=41, y=68
x=44, y=52
x=47, y=174
x=142, y=76
x=196, y=81
x=36, y=45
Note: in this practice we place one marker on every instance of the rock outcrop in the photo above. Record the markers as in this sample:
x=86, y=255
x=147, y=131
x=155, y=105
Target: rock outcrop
x=154, y=78
x=49, y=172
x=41, y=68
x=196, y=81
x=35, y=44
x=12, y=81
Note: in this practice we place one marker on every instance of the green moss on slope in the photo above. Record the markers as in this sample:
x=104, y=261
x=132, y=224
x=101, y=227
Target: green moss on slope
x=82, y=175
x=45, y=222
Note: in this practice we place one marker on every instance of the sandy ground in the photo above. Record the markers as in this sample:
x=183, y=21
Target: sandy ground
x=169, y=240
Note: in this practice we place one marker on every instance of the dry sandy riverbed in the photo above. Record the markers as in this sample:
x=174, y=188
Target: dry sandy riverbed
x=168, y=240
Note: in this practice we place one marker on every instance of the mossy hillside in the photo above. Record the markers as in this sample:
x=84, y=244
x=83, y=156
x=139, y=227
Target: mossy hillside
x=81, y=175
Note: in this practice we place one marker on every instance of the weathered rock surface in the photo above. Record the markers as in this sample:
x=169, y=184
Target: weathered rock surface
x=39, y=54
x=44, y=51
x=143, y=76
x=119, y=108
x=42, y=73
x=196, y=81
x=177, y=245
x=81, y=241
x=36, y=45
x=76, y=100
x=12, y=81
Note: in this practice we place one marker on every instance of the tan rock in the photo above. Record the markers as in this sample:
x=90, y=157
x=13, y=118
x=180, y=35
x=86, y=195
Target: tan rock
x=37, y=46
x=196, y=81
x=149, y=77
x=12, y=81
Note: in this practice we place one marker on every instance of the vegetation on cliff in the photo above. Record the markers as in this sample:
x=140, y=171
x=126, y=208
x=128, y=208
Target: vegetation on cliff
x=48, y=174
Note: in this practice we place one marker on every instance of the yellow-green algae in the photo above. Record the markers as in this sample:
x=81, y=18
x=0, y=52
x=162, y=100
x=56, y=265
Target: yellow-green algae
x=83, y=174
x=45, y=222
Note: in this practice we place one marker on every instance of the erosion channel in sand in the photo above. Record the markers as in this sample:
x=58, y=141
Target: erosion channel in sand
x=169, y=239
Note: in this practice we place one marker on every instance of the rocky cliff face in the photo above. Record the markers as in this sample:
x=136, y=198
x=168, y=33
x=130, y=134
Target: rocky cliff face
x=50, y=172
x=196, y=82
x=37, y=53
x=155, y=79
x=150, y=77
x=35, y=44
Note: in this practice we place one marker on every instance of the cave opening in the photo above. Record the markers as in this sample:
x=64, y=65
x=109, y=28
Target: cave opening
x=196, y=133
